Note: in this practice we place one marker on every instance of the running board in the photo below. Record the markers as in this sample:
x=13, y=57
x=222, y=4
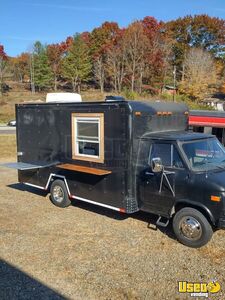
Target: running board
x=159, y=222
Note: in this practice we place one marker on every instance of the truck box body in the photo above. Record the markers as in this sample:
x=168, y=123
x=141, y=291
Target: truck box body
x=45, y=137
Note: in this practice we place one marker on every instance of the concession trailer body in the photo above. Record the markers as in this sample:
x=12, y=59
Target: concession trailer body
x=93, y=147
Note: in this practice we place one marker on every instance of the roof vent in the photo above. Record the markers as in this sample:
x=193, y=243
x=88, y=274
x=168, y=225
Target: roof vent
x=114, y=98
x=63, y=98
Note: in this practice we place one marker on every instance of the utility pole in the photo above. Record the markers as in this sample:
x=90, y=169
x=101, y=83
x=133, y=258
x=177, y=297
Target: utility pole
x=32, y=74
x=174, y=82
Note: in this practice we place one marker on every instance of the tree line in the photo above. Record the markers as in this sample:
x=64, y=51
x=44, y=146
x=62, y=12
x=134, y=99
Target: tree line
x=146, y=56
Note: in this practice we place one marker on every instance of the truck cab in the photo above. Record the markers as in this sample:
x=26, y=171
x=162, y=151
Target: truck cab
x=182, y=175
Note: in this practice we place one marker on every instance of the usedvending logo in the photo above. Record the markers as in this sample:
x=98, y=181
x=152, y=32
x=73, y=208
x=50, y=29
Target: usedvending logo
x=198, y=289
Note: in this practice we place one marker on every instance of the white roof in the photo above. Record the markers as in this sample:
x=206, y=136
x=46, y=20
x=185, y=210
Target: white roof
x=63, y=97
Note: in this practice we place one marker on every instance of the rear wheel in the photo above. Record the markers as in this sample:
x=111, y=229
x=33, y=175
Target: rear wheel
x=192, y=228
x=59, y=194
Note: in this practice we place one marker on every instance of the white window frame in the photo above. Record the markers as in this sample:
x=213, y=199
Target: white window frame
x=97, y=118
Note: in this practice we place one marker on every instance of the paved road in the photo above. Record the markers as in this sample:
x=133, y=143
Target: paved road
x=7, y=130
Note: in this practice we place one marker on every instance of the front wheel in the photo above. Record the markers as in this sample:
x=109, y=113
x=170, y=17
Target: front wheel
x=59, y=194
x=192, y=228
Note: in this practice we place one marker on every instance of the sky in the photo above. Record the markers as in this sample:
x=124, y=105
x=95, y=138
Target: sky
x=22, y=22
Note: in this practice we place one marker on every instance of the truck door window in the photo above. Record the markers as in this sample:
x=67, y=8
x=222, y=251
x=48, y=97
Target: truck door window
x=177, y=161
x=163, y=151
x=168, y=154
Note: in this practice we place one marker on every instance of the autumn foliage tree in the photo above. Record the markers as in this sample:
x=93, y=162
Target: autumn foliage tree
x=136, y=44
x=200, y=31
x=140, y=56
x=55, y=53
x=3, y=63
x=20, y=66
x=101, y=40
x=156, y=53
x=116, y=61
x=200, y=75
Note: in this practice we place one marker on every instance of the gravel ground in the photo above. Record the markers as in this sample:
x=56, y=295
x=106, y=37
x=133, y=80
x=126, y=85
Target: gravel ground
x=86, y=252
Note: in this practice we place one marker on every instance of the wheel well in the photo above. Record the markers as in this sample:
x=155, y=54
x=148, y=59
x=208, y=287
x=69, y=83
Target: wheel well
x=54, y=178
x=181, y=205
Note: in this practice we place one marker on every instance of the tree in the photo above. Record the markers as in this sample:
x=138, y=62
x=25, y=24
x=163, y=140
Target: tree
x=55, y=53
x=178, y=31
x=136, y=44
x=43, y=75
x=208, y=33
x=99, y=71
x=21, y=66
x=156, y=53
x=200, y=31
x=3, y=64
x=115, y=61
x=76, y=65
x=200, y=75
x=101, y=39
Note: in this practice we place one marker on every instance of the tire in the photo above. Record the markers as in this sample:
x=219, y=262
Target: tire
x=192, y=228
x=59, y=194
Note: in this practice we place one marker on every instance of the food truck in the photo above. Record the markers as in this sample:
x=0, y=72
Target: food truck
x=127, y=156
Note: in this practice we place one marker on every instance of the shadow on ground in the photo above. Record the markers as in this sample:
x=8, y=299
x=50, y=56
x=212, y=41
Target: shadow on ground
x=15, y=284
x=147, y=218
x=27, y=188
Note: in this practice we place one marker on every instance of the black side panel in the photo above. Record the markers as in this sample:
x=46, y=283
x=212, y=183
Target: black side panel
x=45, y=135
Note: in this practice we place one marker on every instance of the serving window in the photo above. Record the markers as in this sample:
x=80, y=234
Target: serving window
x=88, y=136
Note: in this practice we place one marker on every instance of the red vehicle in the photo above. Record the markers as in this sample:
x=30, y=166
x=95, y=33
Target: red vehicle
x=212, y=122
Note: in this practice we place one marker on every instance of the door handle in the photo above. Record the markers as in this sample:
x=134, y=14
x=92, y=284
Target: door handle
x=149, y=173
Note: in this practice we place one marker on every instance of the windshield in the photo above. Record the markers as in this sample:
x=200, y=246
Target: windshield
x=205, y=154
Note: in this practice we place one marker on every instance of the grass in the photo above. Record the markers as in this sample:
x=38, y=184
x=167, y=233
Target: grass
x=8, y=101
x=182, y=98
x=19, y=94
x=7, y=146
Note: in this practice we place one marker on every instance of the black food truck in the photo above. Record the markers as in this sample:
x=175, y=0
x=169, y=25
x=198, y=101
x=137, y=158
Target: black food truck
x=127, y=156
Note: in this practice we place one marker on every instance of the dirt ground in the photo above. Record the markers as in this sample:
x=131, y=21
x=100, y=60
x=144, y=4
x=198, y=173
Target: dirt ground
x=87, y=252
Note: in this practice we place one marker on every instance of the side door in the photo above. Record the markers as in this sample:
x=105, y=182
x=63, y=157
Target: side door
x=159, y=191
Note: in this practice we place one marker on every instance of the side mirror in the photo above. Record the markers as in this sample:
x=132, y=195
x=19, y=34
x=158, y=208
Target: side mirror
x=156, y=165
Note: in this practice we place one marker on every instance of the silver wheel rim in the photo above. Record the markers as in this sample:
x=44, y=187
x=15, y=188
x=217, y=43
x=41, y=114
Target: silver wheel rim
x=58, y=193
x=190, y=228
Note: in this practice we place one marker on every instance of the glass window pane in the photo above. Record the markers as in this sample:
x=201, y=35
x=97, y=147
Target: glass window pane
x=87, y=138
x=205, y=154
x=88, y=148
x=163, y=151
x=177, y=161
x=87, y=129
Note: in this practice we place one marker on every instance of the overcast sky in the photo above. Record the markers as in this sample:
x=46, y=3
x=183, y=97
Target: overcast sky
x=22, y=22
